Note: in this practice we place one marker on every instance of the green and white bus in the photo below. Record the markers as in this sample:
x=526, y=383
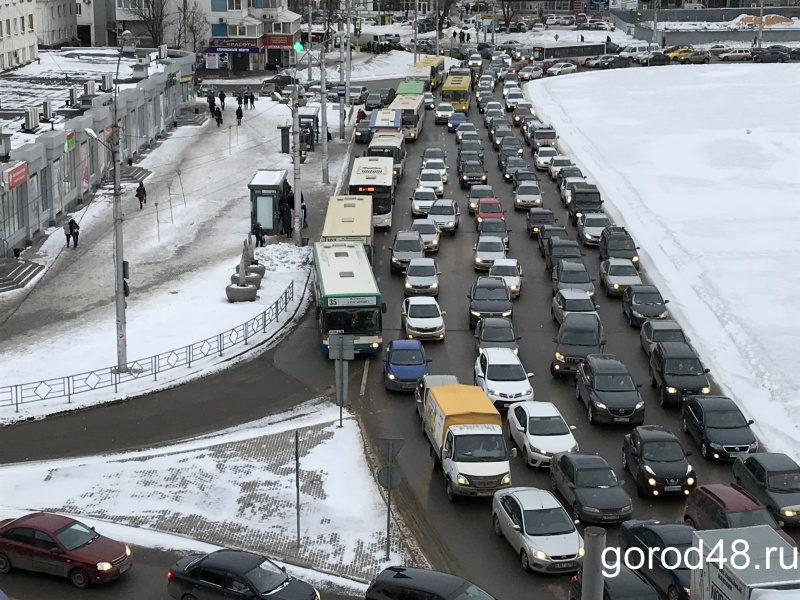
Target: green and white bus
x=347, y=296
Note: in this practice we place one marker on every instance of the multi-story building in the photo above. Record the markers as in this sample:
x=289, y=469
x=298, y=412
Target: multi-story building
x=17, y=33
x=56, y=22
x=92, y=22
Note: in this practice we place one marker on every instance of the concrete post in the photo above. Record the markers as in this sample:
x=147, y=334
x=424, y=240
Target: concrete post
x=595, y=542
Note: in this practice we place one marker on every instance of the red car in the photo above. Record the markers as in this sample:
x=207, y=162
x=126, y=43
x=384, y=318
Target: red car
x=489, y=208
x=58, y=545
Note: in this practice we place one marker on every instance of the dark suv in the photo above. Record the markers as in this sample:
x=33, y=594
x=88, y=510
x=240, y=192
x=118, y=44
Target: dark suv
x=616, y=242
x=676, y=370
x=489, y=297
x=609, y=392
x=585, y=199
x=580, y=335
x=657, y=461
x=412, y=584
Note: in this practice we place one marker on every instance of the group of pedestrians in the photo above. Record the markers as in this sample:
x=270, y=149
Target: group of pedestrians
x=71, y=232
x=379, y=47
x=248, y=99
x=462, y=36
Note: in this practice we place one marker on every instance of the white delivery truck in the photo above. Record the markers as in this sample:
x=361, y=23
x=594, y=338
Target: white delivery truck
x=758, y=565
x=467, y=443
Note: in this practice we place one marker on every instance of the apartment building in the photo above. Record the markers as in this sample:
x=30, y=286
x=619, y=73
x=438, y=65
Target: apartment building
x=18, y=45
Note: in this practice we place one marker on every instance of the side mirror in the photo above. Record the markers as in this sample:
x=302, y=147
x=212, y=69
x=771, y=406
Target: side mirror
x=555, y=340
x=428, y=360
x=385, y=359
x=781, y=523
x=638, y=386
x=519, y=337
x=444, y=312
x=529, y=374
x=603, y=342
x=750, y=422
x=513, y=453
x=521, y=428
x=666, y=301
x=55, y=551
x=572, y=427
x=515, y=527
x=706, y=371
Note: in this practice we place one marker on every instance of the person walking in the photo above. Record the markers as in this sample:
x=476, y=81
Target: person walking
x=218, y=116
x=239, y=115
x=259, y=231
x=304, y=211
x=222, y=99
x=252, y=100
x=141, y=194
x=239, y=99
x=454, y=35
x=74, y=229
x=286, y=220
x=67, y=232
x=469, y=37
x=582, y=37
x=461, y=36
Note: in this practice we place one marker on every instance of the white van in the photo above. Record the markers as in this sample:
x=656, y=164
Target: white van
x=638, y=48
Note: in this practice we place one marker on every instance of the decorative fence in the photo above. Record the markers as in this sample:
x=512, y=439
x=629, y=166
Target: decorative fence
x=71, y=385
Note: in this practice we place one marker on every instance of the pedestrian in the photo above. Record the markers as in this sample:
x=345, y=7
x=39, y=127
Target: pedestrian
x=239, y=115
x=239, y=99
x=141, y=194
x=454, y=35
x=67, y=232
x=74, y=229
x=222, y=99
x=555, y=37
x=259, y=231
x=469, y=37
x=461, y=36
x=330, y=137
x=286, y=220
x=304, y=211
x=608, y=39
x=252, y=100
x=218, y=116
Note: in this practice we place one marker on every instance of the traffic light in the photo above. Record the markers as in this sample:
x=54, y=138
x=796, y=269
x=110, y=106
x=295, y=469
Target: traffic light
x=298, y=46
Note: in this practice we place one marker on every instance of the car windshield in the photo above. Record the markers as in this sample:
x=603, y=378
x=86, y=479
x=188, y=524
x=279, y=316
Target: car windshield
x=477, y=193
x=553, y=425
x=614, y=382
x=266, y=577
x=498, y=334
x=435, y=163
x=513, y=372
x=566, y=252
x=75, y=535
x=621, y=245
x=579, y=305
x=528, y=190
x=424, y=311
x=407, y=358
x=491, y=293
x=596, y=221
x=473, y=166
x=786, y=481
x=421, y=271
x=545, y=218
x=445, y=108
x=647, y=298
x=433, y=153
x=663, y=451
x=545, y=135
x=504, y=271
x=493, y=226
x=560, y=162
x=441, y=209
x=579, y=338
x=431, y=177
x=466, y=127
x=683, y=366
x=491, y=246
x=515, y=161
x=374, y=98
x=574, y=276
x=545, y=152
x=426, y=194
x=623, y=271
x=725, y=419
x=491, y=208
x=479, y=448
x=424, y=228
x=751, y=518
x=407, y=246
x=595, y=478
x=547, y=521
x=668, y=335
x=568, y=172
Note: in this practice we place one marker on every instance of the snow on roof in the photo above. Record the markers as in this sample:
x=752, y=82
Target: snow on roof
x=475, y=429
x=267, y=177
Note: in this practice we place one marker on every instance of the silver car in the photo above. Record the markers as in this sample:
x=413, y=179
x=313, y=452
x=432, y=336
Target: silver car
x=572, y=275
x=527, y=195
x=538, y=528
x=421, y=201
x=422, y=278
x=555, y=165
x=564, y=189
x=432, y=179
x=488, y=249
x=462, y=129
x=446, y=214
x=429, y=101
x=657, y=330
x=543, y=157
x=571, y=301
x=591, y=226
x=429, y=232
x=436, y=164
x=429, y=153
x=511, y=272
x=444, y=111
x=616, y=274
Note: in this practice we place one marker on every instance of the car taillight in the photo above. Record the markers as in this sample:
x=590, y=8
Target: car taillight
x=574, y=578
x=169, y=575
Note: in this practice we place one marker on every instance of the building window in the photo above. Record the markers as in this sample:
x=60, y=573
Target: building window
x=22, y=24
x=273, y=4
x=52, y=12
x=58, y=11
x=234, y=4
x=251, y=4
x=78, y=9
x=13, y=208
x=1, y=30
x=2, y=62
x=30, y=22
x=125, y=4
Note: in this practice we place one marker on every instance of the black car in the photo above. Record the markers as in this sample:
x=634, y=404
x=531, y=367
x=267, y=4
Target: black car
x=767, y=55
x=558, y=249
x=500, y=132
x=647, y=534
x=676, y=370
x=505, y=152
x=512, y=163
x=625, y=585
x=483, y=99
x=585, y=199
x=465, y=157
x=471, y=146
x=616, y=242
x=656, y=59
x=387, y=95
x=538, y=218
x=495, y=227
x=488, y=297
x=580, y=335
x=614, y=61
x=548, y=231
x=520, y=176
x=471, y=172
x=657, y=461
x=718, y=427
x=642, y=302
x=412, y=583
x=373, y=102
x=496, y=332
x=234, y=574
x=363, y=132
x=588, y=484
x=281, y=81
x=774, y=479
x=608, y=390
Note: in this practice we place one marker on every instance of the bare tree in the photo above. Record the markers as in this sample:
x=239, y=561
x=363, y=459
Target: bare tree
x=508, y=12
x=155, y=16
x=444, y=11
x=191, y=26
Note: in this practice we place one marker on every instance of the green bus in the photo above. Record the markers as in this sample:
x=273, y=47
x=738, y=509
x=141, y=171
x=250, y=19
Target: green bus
x=413, y=88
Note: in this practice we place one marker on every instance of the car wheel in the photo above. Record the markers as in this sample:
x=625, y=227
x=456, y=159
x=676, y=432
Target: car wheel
x=553, y=314
x=663, y=398
x=591, y=413
x=630, y=320
x=706, y=61
x=689, y=522
x=525, y=561
x=685, y=62
x=496, y=526
x=684, y=425
x=451, y=496
x=780, y=60
x=672, y=593
x=525, y=457
x=641, y=491
x=724, y=58
x=5, y=564
x=79, y=578
x=577, y=390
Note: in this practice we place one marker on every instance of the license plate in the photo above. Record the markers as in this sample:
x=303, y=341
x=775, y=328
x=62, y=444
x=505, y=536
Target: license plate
x=621, y=419
x=565, y=565
x=610, y=517
x=672, y=488
x=124, y=568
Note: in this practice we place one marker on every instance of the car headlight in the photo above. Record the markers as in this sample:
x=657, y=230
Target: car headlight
x=636, y=314
x=478, y=259
x=600, y=405
x=705, y=390
x=536, y=230
x=483, y=177
x=507, y=176
x=513, y=288
x=569, y=199
x=590, y=509
x=104, y=566
x=451, y=223
x=128, y=551
x=528, y=392
x=652, y=481
x=507, y=313
x=559, y=357
x=649, y=470
x=690, y=481
x=506, y=480
x=590, y=293
x=579, y=214
x=663, y=315
x=434, y=285
x=581, y=551
x=396, y=261
x=480, y=219
x=626, y=508
x=391, y=376
x=519, y=151
x=587, y=236
x=754, y=446
x=434, y=242
x=475, y=313
x=358, y=134
x=635, y=259
x=461, y=480
x=788, y=512
x=408, y=286
x=616, y=286
x=539, y=555
x=439, y=188
x=672, y=390
x=639, y=405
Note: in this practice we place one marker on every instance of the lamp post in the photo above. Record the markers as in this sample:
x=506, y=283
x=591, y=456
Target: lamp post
x=760, y=22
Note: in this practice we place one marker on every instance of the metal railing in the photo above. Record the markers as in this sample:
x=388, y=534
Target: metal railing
x=71, y=385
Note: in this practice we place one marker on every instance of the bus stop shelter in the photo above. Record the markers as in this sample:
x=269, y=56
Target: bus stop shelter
x=267, y=189
x=309, y=125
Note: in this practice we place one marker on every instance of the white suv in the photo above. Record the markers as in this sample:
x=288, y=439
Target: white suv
x=499, y=372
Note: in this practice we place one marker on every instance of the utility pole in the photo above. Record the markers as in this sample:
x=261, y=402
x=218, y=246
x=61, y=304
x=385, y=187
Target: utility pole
x=298, y=192
x=416, y=28
x=595, y=544
x=348, y=54
x=324, y=111
x=308, y=50
x=342, y=41
x=436, y=16
x=655, y=21
x=760, y=22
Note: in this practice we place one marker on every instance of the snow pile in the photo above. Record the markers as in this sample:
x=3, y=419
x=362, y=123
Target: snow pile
x=706, y=181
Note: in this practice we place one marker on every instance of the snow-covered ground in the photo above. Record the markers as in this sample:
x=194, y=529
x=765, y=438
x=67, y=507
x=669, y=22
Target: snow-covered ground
x=740, y=23
x=234, y=488
x=706, y=180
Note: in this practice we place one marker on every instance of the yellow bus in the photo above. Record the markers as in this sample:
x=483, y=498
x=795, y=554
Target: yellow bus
x=436, y=64
x=456, y=91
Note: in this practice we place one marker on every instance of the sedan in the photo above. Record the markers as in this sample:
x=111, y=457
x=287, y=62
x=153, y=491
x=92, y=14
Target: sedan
x=527, y=195
x=617, y=274
x=538, y=529
x=588, y=484
x=363, y=133
x=429, y=101
x=774, y=479
x=608, y=390
x=614, y=61
x=489, y=297
x=494, y=227
x=422, y=277
x=488, y=208
x=373, y=102
x=429, y=232
x=422, y=318
x=594, y=61
x=571, y=274
x=446, y=215
x=421, y=201
x=437, y=164
x=590, y=227
x=433, y=180
x=718, y=427
x=543, y=157
x=462, y=129
x=456, y=119
x=510, y=271
x=561, y=249
x=540, y=431
x=655, y=330
x=643, y=302
x=443, y=113
x=657, y=461
x=495, y=332
x=488, y=249
x=657, y=59
x=499, y=373
x=57, y=545
x=433, y=153
x=530, y=73
x=555, y=165
x=405, y=364
x=563, y=68
x=546, y=232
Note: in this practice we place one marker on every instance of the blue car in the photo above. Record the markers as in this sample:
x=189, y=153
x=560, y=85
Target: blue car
x=659, y=533
x=406, y=363
x=457, y=119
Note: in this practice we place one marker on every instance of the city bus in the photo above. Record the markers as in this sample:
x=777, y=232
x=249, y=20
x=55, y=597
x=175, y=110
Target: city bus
x=560, y=51
x=391, y=144
x=385, y=119
x=410, y=88
x=456, y=91
x=347, y=297
x=374, y=176
x=436, y=64
x=349, y=219
x=420, y=73
x=412, y=109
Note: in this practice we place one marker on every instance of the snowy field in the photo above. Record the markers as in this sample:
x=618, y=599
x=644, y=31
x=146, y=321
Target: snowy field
x=706, y=179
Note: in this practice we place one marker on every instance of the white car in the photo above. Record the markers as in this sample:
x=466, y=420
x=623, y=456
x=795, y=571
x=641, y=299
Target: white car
x=429, y=101
x=527, y=195
x=507, y=87
x=563, y=68
x=564, y=190
x=437, y=164
x=487, y=80
x=499, y=372
x=429, y=232
x=571, y=301
x=475, y=60
x=488, y=249
x=444, y=111
x=556, y=164
x=493, y=106
x=543, y=157
x=431, y=179
x=551, y=20
x=422, y=278
x=511, y=272
x=422, y=318
x=591, y=226
x=514, y=98
x=617, y=274
x=540, y=431
x=421, y=201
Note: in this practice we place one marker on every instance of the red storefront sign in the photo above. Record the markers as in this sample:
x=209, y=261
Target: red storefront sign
x=280, y=42
x=16, y=175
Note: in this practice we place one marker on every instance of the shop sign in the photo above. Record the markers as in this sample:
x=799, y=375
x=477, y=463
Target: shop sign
x=16, y=175
x=70, y=143
x=249, y=45
x=278, y=42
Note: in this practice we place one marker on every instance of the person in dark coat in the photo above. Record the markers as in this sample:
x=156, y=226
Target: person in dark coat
x=239, y=115
x=252, y=100
x=141, y=195
x=259, y=231
x=461, y=36
x=218, y=116
x=74, y=229
x=286, y=220
x=222, y=99
x=67, y=232
x=330, y=137
x=454, y=35
x=304, y=211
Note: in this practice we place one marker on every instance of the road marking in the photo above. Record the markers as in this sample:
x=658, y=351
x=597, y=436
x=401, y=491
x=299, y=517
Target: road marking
x=364, y=378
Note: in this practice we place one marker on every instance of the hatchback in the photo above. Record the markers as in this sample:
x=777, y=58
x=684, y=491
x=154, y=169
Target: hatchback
x=405, y=364
x=495, y=332
x=488, y=208
x=422, y=278
x=429, y=232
